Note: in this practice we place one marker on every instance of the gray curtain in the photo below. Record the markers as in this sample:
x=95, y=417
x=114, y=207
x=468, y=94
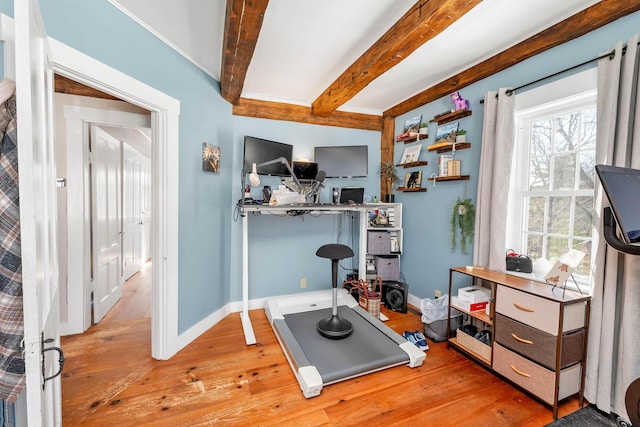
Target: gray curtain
x=498, y=137
x=613, y=359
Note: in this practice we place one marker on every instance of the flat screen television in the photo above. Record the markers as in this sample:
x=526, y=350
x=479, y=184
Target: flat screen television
x=343, y=161
x=622, y=188
x=258, y=150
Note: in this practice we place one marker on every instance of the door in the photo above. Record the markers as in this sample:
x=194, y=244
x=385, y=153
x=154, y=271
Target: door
x=136, y=167
x=34, y=91
x=106, y=217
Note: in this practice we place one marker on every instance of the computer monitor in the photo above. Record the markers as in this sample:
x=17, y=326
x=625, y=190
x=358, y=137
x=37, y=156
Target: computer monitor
x=343, y=161
x=622, y=188
x=305, y=170
x=259, y=150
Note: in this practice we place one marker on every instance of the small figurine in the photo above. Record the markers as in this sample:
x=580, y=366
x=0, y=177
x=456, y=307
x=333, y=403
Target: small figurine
x=459, y=101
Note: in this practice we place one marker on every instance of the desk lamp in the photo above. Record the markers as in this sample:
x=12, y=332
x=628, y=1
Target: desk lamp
x=254, y=178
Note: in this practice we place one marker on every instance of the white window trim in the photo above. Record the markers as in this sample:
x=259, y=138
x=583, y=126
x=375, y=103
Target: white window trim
x=576, y=91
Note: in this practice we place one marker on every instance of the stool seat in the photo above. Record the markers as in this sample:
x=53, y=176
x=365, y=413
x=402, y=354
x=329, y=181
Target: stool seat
x=334, y=327
x=334, y=251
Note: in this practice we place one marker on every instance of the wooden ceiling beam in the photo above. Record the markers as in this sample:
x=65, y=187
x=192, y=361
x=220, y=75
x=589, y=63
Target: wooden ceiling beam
x=596, y=16
x=242, y=26
x=301, y=114
x=424, y=21
x=62, y=84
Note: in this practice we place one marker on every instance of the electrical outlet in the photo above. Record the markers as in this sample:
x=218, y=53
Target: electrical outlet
x=438, y=294
x=303, y=283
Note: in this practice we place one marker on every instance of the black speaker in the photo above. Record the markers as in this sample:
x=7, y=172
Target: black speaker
x=395, y=295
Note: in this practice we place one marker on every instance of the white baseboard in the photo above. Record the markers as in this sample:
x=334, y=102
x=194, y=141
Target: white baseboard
x=201, y=327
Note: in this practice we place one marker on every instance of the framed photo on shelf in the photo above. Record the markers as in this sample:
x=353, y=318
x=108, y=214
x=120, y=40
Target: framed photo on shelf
x=411, y=154
x=412, y=125
x=447, y=133
x=413, y=179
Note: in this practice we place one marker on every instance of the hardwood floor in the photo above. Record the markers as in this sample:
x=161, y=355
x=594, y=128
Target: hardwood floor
x=110, y=379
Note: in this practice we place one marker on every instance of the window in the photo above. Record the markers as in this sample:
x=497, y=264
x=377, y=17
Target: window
x=551, y=199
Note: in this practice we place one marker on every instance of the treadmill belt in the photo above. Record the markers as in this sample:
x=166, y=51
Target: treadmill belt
x=366, y=349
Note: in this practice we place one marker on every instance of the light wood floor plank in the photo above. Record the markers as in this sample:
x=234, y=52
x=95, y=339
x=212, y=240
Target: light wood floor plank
x=110, y=379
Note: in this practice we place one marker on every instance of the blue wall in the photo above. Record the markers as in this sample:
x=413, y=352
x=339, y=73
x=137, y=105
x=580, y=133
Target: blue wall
x=98, y=29
x=427, y=253
x=282, y=249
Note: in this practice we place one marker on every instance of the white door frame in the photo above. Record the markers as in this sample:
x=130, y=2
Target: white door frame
x=77, y=310
x=165, y=111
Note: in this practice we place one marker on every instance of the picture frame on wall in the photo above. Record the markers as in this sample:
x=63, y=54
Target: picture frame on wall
x=210, y=158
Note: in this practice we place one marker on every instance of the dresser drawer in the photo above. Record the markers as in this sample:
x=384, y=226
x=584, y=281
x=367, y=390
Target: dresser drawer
x=533, y=377
x=538, y=345
x=529, y=309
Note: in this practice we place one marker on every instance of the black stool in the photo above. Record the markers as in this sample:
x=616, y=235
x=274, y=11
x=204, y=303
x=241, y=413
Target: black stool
x=334, y=327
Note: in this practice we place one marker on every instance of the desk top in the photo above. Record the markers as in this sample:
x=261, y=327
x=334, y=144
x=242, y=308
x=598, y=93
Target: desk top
x=319, y=207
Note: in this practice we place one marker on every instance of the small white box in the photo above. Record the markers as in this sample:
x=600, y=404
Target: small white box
x=474, y=294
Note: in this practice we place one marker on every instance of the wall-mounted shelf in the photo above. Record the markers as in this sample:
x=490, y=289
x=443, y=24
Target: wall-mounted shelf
x=411, y=190
x=449, y=117
x=450, y=178
x=413, y=164
x=449, y=147
x=413, y=138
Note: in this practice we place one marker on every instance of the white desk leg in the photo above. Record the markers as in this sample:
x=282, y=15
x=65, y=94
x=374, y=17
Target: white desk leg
x=362, y=245
x=249, y=336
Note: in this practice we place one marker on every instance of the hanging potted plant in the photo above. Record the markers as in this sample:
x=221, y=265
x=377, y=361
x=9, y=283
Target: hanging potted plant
x=388, y=176
x=462, y=216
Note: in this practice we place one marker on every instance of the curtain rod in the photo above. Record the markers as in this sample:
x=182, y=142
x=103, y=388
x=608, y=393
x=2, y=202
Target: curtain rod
x=610, y=54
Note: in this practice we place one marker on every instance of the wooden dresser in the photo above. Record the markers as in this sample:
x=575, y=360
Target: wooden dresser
x=539, y=334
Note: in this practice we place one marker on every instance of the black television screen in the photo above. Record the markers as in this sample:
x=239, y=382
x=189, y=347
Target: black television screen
x=258, y=150
x=344, y=161
x=622, y=188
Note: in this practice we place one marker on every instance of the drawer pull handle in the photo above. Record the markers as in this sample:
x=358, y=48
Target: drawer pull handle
x=522, y=340
x=519, y=372
x=519, y=307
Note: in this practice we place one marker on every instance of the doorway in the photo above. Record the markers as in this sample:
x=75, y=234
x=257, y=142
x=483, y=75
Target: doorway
x=165, y=111
x=91, y=230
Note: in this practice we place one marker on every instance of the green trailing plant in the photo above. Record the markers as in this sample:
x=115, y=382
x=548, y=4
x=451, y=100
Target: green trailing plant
x=461, y=132
x=463, y=217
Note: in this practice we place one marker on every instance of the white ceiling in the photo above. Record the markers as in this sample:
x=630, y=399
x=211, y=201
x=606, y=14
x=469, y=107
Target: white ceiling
x=305, y=45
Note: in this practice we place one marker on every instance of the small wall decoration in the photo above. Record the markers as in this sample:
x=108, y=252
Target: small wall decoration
x=411, y=154
x=210, y=158
x=412, y=125
x=447, y=133
x=459, y=101
x=413, y=179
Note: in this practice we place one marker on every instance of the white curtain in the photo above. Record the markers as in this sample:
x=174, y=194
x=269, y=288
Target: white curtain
x=498, y=138
x=613, y=358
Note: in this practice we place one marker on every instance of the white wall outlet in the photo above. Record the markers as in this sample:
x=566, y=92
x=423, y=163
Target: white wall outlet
x=438, y=294
x=303, y=283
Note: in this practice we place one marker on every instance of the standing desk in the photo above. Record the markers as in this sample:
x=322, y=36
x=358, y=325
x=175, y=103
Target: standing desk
x=247, y=211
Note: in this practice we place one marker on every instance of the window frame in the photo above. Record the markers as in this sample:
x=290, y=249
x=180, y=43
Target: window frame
x=517, y=223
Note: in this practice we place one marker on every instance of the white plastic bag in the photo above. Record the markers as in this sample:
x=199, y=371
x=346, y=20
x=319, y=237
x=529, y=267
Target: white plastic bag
x=434, y=309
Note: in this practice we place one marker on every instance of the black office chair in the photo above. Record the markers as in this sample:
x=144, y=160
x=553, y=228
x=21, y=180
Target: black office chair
x=334, y=327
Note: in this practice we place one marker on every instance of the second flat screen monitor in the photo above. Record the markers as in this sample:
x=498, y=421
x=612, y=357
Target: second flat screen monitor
x=345, y=161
